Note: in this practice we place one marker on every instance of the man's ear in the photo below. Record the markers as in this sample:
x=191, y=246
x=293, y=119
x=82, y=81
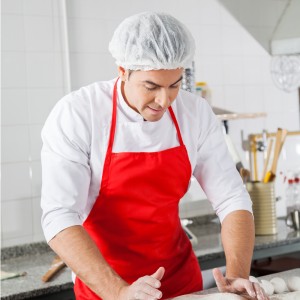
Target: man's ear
x=122, y=73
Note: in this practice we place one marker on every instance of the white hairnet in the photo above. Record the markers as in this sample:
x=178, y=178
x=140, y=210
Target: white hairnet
x=152, y=41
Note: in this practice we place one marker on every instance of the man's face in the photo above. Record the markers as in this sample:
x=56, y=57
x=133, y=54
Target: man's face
x=150, y=93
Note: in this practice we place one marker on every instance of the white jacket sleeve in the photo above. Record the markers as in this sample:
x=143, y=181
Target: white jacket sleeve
x=65, y=165
x=216, y=171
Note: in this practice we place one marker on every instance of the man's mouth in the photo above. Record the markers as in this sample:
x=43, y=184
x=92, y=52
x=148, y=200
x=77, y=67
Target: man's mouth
x=156, y=109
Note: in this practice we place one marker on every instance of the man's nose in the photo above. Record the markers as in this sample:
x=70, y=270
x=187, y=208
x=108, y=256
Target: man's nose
x=163, y=98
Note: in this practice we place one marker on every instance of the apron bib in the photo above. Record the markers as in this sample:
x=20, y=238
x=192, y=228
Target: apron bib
x=135, y=219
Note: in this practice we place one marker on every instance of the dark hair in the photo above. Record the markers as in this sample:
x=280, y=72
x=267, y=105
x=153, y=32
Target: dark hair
x=129, y=73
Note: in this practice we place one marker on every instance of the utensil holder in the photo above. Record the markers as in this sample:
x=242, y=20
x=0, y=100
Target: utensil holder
x=264, y=207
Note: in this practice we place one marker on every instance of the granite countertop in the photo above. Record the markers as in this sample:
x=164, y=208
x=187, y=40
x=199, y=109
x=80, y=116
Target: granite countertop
x=209, y=246
x=35, y=259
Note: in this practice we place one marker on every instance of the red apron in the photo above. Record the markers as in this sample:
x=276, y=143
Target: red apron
x=135, y=221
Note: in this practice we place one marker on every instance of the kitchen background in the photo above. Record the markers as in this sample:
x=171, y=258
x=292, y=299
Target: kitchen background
x=50, y=47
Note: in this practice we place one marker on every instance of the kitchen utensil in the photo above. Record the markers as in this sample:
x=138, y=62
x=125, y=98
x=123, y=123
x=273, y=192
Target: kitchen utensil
x=56, y=265
x=233, y=152
x=270, y=175
x=264, y=207
x=7, y=275
x=269, y=149
x=254, y=152
x=283, y=137
x=245, y=174
x=293, y=220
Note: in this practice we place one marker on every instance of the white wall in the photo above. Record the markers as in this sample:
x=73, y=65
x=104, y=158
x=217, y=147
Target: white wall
x=234, y=65
x=32, y=82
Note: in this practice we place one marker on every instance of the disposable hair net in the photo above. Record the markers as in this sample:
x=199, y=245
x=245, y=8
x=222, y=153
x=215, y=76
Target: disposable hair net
x=152, y=41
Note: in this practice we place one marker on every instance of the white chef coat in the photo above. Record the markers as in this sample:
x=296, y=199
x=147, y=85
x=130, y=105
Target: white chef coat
x=75, y=138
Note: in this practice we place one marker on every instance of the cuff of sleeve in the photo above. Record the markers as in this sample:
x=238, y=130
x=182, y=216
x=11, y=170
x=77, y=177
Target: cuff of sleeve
x=247, y=205
x=58, y=224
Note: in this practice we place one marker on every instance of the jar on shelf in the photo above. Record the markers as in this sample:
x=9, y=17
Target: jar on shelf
x=203, y=91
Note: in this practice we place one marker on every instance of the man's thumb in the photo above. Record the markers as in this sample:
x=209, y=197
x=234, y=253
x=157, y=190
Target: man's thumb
x=159, y=273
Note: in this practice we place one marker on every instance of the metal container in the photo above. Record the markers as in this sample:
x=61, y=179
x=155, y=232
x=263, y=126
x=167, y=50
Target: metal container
x=264, y=207
x=188, y=79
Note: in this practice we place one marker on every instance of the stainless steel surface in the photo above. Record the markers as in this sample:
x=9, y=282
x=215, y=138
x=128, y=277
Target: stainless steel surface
x=293, y=220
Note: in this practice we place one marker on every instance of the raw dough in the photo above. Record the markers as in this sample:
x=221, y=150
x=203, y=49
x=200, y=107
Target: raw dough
x=287, y=296
x=279, y=285
x=267, y=286
x=228, y=296
x=253, y=279
x=214, y=296
x=293, y=283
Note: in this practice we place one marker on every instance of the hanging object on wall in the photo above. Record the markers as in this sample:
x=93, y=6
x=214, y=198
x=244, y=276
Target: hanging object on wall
x=285, y=71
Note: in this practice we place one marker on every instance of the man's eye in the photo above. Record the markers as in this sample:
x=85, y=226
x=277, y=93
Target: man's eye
x=174, y=86
x=150, y=88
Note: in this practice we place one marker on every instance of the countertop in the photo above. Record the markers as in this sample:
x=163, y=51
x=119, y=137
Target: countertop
x=36, y=258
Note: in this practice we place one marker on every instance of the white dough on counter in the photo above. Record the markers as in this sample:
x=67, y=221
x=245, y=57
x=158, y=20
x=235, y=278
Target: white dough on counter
x=253, y=279
x=287, y=296
x=267, y=286
x=279, y=285
x=293, y=283
x=214, y=296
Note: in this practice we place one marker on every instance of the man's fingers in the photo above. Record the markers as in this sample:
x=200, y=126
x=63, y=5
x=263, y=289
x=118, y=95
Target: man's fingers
x=260, y=293
x=220, y=279
x=159, y=273
x=250, y=289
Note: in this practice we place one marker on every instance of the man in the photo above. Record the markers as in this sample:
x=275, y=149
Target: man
x=118, y=156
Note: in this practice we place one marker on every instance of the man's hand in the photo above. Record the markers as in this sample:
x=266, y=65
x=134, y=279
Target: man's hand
x=145, y=288
x=240, y=286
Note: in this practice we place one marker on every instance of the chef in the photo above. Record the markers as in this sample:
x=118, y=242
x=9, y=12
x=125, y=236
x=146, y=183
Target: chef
x=117, y=158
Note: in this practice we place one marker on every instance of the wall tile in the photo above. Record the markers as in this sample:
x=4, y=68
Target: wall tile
x=252, y=70
x=12, y=38
x=291, y=121
x=274, y=120
x=17, y=220
x=14, y=107
x=14, y=67
x=88, y=68
x=35, y=141
x=38, y=33
x=232, y=70
x=16, y=181
x=217, y=95
x=15, y=143
x=254, y=98
x=89, y=9
x=41, y=102
x=38, y=234
x=58, y=34
x=273, y=99
x=36, y=182
x=209, y=69
x=234, y=98
x=208, y=12
x=231, y=40
x=88, y=35
x=44, y=70
x=37, y=7
x=12, y=6
x=208, y=40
